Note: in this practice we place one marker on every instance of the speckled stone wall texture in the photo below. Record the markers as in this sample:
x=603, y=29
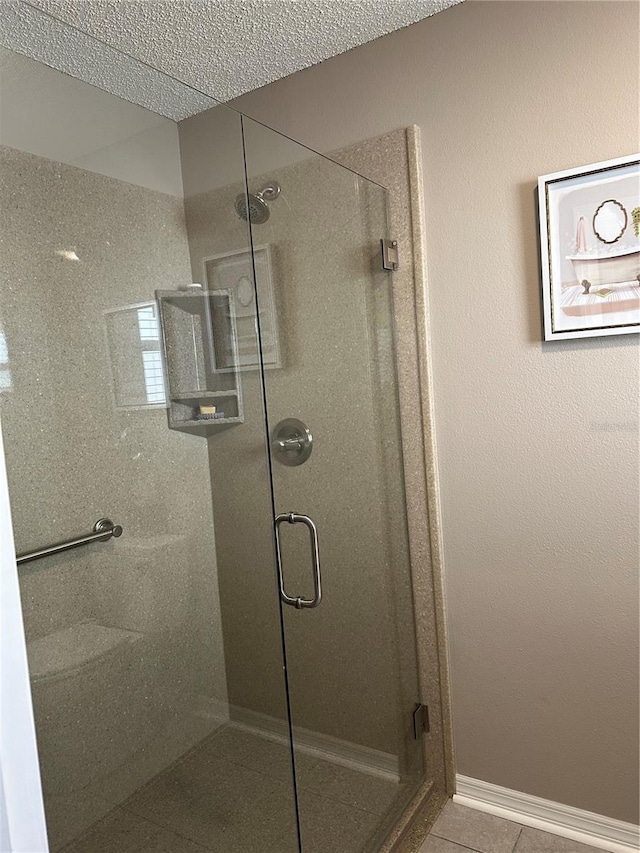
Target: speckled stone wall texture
x=123, y=637
x=537, y=443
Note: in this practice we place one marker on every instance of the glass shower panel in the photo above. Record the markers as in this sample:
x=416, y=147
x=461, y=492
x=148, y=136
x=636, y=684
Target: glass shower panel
x=326, y=320
x=119, y=394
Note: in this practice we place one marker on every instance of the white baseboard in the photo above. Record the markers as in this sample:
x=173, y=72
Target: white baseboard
x=578, y=825
x=352, y=755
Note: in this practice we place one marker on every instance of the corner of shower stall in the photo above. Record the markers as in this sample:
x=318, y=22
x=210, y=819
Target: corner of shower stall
x=197, y=339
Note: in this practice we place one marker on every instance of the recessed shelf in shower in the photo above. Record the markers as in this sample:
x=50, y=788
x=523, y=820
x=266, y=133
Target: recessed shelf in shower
x=200, y=360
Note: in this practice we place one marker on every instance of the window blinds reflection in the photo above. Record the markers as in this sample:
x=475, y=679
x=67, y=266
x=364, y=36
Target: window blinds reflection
x=133, y=336
x=5, y=373
x=151, y=360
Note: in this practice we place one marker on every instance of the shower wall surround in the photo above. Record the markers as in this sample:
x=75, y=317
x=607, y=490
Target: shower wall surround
x=307, y=309
x=328, y=289
x=120, y=631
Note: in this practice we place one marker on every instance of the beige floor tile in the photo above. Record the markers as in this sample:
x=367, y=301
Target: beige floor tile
x=123, y=832
x=234, y=794
x=331, y=827
x=256, y=753
x=433, y=844
x=227, y=807
x=534, y=841
x=350, y=787
x=476, y=830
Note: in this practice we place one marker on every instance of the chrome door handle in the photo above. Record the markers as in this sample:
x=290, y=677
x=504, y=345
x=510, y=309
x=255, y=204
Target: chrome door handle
x=299, y=603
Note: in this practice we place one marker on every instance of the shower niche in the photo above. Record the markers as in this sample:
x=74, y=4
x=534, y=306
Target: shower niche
x=200, y=359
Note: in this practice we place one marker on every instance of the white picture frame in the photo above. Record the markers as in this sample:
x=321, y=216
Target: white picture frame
x=590, y=249
x=234, y=271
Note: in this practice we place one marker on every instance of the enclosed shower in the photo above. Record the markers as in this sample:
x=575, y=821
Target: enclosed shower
x=199, y=402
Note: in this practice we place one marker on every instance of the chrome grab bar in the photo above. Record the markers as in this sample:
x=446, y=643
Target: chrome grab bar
x=103, y=530
x=299, y=603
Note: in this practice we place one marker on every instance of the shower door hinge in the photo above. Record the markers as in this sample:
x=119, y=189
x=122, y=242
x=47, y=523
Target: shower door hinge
x=420, y=720
x=390, y=259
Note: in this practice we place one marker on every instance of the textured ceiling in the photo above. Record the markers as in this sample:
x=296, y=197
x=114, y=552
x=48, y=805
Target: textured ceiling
x=228, y=47
x=27, y=31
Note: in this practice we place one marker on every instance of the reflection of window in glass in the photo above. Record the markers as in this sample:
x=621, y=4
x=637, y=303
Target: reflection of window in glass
x=133, y=333
x=5, y=373
x=148, y=324
x=151, y=361
x=153, y=378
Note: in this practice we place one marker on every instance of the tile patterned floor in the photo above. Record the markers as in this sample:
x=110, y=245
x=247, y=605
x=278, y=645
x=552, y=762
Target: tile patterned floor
x=463, y=830
x=233, y=794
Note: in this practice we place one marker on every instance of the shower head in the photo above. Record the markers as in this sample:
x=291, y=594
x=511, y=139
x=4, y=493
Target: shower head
x=258, y=208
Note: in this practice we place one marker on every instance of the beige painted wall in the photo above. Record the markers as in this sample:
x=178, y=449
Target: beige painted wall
x=537, y=444
x=53, y=115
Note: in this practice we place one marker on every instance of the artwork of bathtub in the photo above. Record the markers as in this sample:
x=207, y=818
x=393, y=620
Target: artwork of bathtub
x=617, y=266
x=590, y=249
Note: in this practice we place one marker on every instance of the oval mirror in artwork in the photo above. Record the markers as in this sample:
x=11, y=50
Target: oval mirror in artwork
x=244, y=291
x=610, y=221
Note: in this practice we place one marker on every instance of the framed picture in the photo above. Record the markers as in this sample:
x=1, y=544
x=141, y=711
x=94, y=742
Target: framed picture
x=233, y=271
x=590, y=249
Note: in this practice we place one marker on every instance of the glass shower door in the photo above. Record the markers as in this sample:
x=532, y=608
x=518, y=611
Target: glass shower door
x=326, y=321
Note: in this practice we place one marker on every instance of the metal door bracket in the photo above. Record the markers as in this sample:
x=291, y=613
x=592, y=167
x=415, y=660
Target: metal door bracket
x=390, y=257
x=420, y=720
